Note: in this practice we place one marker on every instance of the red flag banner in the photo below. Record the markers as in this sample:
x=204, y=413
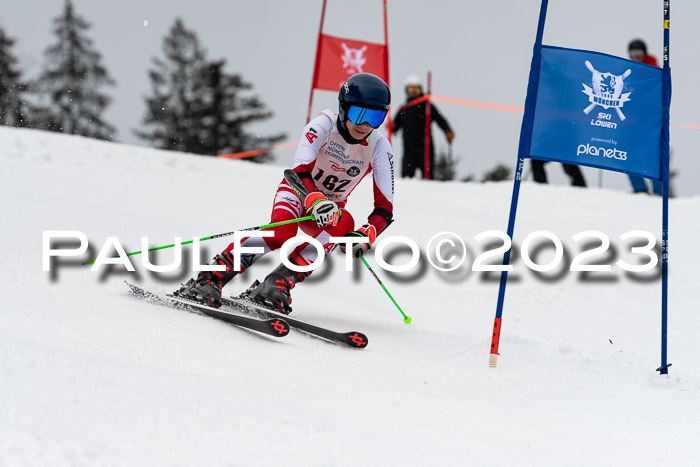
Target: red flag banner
x=338, y=58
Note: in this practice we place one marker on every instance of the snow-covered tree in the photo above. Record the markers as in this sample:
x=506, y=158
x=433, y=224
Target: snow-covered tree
x=197, y=107
x=71, y=80
x=224, y=111
x=14, y=108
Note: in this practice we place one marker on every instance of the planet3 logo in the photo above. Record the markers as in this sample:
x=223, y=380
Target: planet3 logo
x=600, y=151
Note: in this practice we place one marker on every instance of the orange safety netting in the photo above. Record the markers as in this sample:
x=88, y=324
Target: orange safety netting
x=451, y=100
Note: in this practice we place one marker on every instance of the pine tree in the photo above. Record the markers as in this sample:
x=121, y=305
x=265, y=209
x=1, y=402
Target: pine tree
x=71, y=79
x=13, y=107
x=223, y=113
x=444, y=168
x=170, y=110
x=498, y=174
x=195, y=105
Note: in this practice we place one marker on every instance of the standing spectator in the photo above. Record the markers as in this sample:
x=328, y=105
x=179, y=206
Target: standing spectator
x=573, y=171
x=411, y=119
x=638, y=52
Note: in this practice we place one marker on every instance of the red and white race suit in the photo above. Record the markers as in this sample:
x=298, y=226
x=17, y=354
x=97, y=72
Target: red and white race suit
x=328, y=164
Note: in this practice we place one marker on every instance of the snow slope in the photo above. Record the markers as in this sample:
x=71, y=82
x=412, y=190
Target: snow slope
x=91, y=376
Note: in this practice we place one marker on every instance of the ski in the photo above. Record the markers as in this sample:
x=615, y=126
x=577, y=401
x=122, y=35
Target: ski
x=353, y=338
x=272, y=326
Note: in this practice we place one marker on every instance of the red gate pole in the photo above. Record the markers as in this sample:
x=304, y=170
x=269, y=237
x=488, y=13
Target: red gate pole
x=386, y=63
x=426, y=165
x=316, y=70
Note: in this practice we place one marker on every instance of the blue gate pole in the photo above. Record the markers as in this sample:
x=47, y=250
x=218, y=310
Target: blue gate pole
x=523, y=152
x=665, y=167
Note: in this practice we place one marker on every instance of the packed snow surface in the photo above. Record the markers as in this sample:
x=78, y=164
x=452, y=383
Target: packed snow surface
x=89, y=375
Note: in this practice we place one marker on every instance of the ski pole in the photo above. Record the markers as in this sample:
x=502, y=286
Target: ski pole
x=301, y=191
x=406, y=319
x=260, y=227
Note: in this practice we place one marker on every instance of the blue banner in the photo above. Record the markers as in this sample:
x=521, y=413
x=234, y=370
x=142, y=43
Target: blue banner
x=597, y=110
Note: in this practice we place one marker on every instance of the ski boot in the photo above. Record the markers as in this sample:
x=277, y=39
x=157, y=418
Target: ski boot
x=207, y=287
x=274, y=291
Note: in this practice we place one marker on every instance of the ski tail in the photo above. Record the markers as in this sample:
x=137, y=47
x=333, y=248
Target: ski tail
x=271, y=326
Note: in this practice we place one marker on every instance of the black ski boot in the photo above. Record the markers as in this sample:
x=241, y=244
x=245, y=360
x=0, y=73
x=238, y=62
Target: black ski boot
x=207, y=287
x=274, y=291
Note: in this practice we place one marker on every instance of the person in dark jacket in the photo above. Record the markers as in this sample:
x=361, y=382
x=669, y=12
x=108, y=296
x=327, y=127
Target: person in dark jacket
x=573, y=171
x=411, y=119
x=638, y=52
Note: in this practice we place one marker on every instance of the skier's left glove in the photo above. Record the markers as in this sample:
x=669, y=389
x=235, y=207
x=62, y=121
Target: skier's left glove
x=359, y=249
x=325, y=211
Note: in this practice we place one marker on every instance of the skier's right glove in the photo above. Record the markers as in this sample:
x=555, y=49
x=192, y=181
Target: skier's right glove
x=359, y=249
x=325, y=211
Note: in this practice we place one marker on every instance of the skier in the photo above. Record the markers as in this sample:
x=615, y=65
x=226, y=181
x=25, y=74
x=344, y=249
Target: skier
x=335, y=153
x=411, y=118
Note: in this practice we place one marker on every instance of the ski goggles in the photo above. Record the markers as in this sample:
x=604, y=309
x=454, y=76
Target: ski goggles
x=359, y=115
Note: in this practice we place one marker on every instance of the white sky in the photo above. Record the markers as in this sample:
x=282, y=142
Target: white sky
x=476, y=50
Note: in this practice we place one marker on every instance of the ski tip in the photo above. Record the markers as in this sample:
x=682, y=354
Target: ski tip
x=279, y=327
x=356, y=339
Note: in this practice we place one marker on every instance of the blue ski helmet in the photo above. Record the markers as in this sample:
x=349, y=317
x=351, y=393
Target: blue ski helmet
x=364, y=97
